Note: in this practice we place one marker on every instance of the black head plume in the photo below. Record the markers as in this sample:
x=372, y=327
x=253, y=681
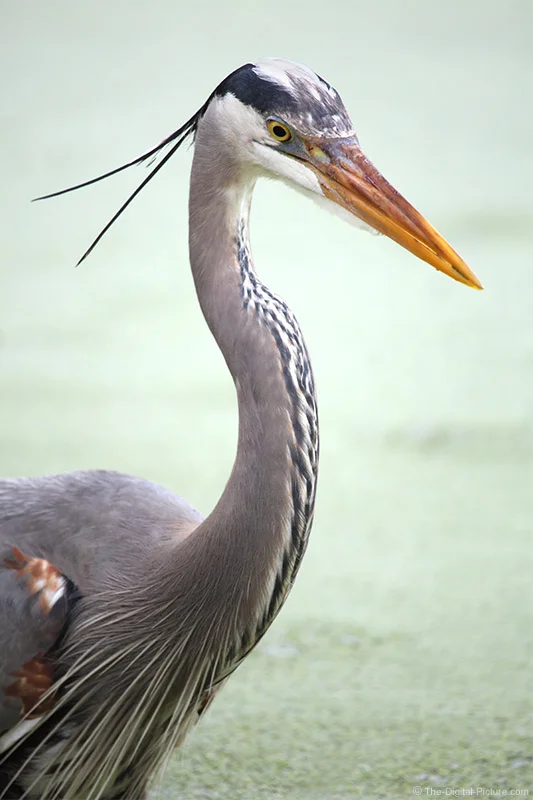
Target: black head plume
x=176, y=139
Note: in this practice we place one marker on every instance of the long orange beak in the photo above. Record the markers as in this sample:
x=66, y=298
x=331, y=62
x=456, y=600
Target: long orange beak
x=348, y=178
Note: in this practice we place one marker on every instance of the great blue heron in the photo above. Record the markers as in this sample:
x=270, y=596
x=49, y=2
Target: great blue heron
x=122, y=610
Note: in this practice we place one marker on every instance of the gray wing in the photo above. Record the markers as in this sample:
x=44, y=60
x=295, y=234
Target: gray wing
x=62, y=535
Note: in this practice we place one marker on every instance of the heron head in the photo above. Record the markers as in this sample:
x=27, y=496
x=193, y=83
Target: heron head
x=280, y=119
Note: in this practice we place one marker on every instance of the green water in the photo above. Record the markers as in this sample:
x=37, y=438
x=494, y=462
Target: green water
x=403, y=656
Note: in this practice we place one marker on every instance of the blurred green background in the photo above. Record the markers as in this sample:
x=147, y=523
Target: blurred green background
x=403, y=656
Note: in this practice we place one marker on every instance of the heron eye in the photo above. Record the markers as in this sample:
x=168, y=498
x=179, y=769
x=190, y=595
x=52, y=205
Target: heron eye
x=278, y=130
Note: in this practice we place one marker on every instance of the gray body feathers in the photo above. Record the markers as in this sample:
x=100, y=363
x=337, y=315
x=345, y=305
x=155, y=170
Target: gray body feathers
x=81, y=522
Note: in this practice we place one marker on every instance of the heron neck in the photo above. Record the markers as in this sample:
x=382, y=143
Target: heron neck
x=266, y=508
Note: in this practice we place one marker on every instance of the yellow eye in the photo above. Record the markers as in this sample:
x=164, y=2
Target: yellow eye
x=278, y=130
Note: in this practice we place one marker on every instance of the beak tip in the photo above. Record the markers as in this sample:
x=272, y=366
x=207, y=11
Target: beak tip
x=471, y=280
